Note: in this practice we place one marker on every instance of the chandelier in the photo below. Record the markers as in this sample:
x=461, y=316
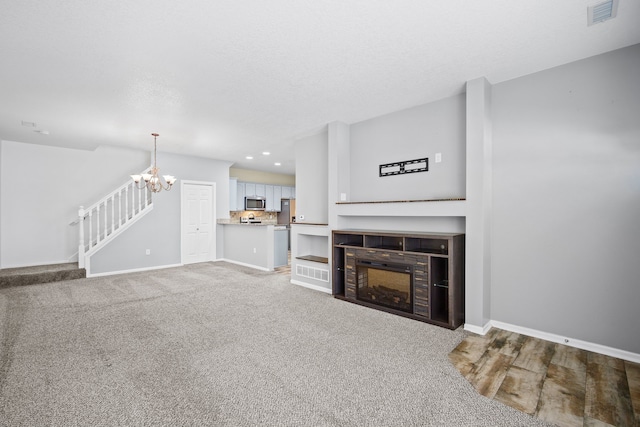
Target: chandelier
x=152, y=180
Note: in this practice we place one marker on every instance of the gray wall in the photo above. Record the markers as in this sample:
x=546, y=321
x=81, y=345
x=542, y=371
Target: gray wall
x=566, y=206
x=41, y=189
x=437, y=127
x=160, y=230
x=312, y=176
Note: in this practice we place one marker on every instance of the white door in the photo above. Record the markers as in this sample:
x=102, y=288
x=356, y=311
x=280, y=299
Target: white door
x=198, y=223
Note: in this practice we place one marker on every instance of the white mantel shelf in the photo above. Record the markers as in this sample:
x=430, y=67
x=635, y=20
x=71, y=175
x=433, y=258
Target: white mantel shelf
x=432, y=207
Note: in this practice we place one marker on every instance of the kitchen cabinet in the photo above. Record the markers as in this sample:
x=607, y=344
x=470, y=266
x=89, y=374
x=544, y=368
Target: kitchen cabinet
x=286, y=192
x=277, y=197
x=240, y=193
x=250, y=189
x=233, y=194
x=269, y=196
x=272, y=193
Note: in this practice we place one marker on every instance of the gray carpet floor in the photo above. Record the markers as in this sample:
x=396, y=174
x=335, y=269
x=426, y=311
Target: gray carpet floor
x=222, y=345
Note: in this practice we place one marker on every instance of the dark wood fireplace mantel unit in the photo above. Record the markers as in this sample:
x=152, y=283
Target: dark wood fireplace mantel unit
x=415, y=275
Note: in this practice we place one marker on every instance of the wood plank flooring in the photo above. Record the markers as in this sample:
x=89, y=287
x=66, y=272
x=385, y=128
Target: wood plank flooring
x=562, y=385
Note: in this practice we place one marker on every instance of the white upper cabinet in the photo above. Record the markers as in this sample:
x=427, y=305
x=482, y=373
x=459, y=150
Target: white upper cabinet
x=286, y=192
x=269, y=196
x=277, y=196
x=250, y=189
x=233, y=194
x=272, y=193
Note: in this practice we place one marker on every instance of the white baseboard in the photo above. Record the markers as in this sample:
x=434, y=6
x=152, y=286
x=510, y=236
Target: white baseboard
x=571, y=342
x=480, y=330
x=257, y=267
x=310, y=286
x=134, y=270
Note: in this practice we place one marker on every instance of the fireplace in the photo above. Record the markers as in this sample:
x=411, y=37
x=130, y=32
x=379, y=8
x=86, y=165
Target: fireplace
x=384, y=284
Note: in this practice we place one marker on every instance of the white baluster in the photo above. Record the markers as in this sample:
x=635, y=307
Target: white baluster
x=90, y=228
x=113, y=217
x=119, y=208
x=140, y=200
x=126, y=204
x=97, y=224
x=81, y=237
x=104, y=236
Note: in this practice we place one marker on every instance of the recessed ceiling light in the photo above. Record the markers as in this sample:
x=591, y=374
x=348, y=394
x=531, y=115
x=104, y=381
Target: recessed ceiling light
x=265, y=153
x=277, y=163
x=249, y=157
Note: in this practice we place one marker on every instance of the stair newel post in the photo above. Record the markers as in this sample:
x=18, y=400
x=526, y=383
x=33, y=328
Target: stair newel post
x=81, y=237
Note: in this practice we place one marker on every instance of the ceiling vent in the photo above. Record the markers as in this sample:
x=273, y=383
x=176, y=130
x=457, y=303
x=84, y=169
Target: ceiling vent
x=602, y=11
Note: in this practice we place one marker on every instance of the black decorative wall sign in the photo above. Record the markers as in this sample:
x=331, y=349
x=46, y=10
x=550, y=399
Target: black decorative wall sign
x=408, y=166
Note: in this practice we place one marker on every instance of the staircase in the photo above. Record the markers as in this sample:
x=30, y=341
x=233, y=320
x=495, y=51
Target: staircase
x=108, y=217
x=12, y=277
x=98, y=225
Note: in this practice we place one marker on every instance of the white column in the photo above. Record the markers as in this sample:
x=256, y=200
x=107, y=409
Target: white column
x=479, y=204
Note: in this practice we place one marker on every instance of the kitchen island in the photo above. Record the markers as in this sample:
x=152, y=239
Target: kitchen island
x=261, y=246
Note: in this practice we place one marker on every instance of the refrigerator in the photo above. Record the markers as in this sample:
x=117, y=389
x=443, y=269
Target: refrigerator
x=287, y=212
x=287, y=215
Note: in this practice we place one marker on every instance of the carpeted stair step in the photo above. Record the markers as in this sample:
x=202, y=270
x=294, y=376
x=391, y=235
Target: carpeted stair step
x=10, y=277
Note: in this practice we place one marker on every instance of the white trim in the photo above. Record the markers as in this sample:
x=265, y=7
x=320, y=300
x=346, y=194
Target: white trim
x=480, y=330
x=245, y=264
x=134, y=270
x=310, y=286
x=585, y=345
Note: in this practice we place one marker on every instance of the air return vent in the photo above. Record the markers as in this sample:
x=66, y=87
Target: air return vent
x=602, y=11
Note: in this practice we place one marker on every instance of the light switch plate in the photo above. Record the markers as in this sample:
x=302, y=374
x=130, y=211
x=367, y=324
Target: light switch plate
x=438, y=157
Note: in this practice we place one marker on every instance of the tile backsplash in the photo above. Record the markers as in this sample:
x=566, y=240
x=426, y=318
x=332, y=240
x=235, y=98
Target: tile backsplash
x=265, y=217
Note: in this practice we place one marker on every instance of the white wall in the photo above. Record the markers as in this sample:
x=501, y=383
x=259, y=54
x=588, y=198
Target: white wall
x=41, y=189
x=566, y=207
x=422, y=131
x=312, y=178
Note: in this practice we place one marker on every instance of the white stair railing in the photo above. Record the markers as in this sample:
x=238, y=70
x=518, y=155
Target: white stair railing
x=109, y=216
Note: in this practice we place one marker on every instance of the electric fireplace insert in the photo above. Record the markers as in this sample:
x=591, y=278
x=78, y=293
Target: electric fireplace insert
x=384, y=284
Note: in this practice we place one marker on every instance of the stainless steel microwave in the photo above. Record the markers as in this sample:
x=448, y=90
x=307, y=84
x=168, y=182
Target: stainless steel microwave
x=255, y=203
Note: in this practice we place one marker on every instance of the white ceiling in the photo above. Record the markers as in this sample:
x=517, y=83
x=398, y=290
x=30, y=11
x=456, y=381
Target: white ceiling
x=226, y=79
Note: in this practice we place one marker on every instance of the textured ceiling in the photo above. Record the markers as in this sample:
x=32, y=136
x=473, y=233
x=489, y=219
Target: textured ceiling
x=226, y=79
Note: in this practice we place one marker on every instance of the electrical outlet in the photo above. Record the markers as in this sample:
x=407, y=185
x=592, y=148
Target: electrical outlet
x=254, y=250
x=148, y=251
x=343, y=197
x=438, y=157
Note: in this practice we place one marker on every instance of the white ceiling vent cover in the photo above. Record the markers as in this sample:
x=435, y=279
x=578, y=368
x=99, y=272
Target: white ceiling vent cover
x=602, y=11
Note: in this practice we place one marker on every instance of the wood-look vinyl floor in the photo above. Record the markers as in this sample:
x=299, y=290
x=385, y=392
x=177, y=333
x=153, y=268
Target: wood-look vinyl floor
x=562, y=385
